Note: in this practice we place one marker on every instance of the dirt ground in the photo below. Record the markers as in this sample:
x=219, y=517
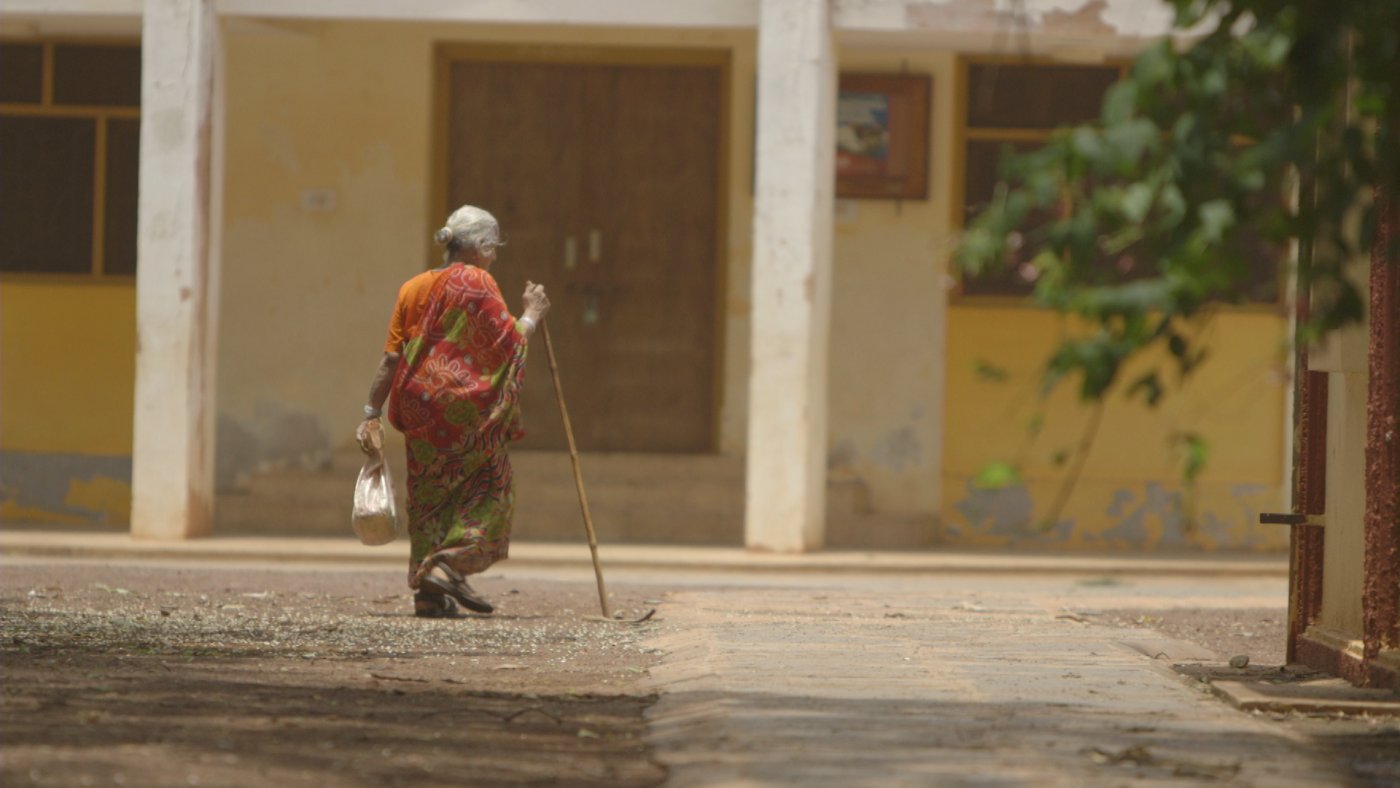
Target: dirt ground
x=156, y=676
x=1369, y=746
x=152, y=675
x=1257, y=633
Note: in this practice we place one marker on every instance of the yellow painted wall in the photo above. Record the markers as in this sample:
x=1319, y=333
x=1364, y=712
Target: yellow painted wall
x=67, y=374
x=1344, y=356
x=1127, y=494
x=67, y=366
x=1345, y=535
x=888, y=318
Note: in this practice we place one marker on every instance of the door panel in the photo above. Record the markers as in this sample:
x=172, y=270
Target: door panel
x=518, y=159
x=619, y=163
x=655, y=162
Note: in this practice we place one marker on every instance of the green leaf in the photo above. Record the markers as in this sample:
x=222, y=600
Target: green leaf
x=1120, y=102
x=1136, y=202
x=1141, y=295
x=1155, y=64
x=989, y=372
x=1183, y=128
x=1096, y=359
x=1129, y=140
x=997, y=475
x=1197, y=454
x=1177, y=345
x=1087, y=143
x=1214, y=82
x=1173, y=205
x=1216, y=217
x=1149, y=386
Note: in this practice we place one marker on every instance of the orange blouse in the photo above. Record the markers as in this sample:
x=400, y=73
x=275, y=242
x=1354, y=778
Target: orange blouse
x=413, y=295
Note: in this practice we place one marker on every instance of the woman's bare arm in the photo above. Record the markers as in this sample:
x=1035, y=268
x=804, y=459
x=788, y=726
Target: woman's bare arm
x=378, y=393
x=383, y=381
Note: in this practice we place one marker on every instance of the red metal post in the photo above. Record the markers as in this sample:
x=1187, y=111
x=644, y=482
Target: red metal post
x=1381, y=589
x=1309, y=490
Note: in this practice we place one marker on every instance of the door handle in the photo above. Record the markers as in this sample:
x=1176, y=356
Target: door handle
x=570, y=253
x=595, y=246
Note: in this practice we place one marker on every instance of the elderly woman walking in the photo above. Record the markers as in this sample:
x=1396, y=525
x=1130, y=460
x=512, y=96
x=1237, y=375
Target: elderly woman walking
x=454, y=362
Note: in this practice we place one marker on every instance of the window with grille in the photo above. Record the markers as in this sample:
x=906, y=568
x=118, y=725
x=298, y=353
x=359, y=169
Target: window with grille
x=70, y=116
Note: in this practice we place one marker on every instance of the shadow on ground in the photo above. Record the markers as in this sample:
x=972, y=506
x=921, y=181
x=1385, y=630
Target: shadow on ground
x=160, y=676
x=958, y=743
x=72, y=719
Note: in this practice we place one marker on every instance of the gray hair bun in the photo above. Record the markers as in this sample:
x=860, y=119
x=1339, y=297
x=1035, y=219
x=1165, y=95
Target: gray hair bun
x=469, y=227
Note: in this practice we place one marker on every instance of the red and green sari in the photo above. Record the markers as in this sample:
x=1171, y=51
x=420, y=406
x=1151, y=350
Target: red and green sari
x=456, y=400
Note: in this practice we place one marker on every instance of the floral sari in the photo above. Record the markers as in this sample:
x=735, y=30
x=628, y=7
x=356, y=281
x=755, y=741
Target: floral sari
x=456, y=400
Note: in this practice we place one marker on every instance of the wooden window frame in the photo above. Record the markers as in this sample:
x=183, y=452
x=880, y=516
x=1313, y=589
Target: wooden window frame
x=101, y=115
x=964, y=133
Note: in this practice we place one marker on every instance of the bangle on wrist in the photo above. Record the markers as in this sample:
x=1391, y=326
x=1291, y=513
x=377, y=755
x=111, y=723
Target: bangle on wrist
x=529, y=324
x=371, y=412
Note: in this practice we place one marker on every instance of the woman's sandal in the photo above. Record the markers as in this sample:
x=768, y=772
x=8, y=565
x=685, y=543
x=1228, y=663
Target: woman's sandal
x=433, y=606
x=456, y=587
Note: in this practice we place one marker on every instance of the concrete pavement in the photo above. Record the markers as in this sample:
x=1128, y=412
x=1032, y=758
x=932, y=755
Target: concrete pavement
x=935, y=686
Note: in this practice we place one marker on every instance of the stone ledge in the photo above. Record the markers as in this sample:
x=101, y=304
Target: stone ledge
x=41, y=543
x=1318, y=696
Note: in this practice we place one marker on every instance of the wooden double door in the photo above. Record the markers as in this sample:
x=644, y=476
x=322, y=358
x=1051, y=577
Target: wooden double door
x=606, y=181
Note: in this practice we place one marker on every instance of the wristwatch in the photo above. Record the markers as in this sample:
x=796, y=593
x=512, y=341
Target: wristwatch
x=371, y=412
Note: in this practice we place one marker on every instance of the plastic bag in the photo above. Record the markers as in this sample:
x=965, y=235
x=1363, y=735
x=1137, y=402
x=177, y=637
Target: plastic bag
x=375, y=515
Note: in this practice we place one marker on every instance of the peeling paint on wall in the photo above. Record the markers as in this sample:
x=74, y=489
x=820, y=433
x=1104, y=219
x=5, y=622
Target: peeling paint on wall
x=1146, y=516
x=991, y=517
x=898, y=450
x=108, y=498
x=1097, y=18
x=65, y=489
x=273, y=438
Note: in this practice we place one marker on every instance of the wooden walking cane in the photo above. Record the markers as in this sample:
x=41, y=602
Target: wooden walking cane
x=578, y=475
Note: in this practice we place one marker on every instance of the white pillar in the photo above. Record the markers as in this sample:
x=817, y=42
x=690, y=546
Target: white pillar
x=786, y=495
x=176, y=281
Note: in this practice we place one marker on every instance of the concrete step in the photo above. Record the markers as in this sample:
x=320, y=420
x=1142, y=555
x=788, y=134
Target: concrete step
x=650, y=519
x=549, y=476
x=637, y=498
x=335, y=487
x=599, y=466
x=236, y=514
x=654, y=521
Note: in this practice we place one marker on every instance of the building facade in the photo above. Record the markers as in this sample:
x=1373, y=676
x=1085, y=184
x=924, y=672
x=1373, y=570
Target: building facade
x=666, y=169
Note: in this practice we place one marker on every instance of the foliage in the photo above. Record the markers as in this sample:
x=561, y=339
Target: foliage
x=997, y=475
x=1193, y=165
x=1272, y=127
